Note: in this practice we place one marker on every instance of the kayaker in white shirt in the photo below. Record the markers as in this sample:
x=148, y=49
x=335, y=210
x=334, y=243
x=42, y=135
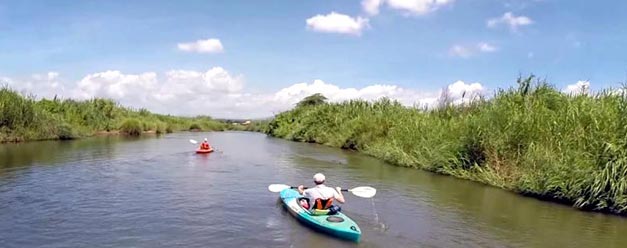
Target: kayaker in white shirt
x=321, y=195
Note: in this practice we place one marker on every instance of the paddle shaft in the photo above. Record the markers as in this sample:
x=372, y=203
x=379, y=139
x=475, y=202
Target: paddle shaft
x=293, y=187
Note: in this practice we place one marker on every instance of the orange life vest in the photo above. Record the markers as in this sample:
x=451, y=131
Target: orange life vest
x=323, y=204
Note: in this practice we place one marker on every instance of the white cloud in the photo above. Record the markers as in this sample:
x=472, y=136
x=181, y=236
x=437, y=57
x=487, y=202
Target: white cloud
x=509, y=19
x=337, y=23
x=215, y=79
x=5, y=81
x=130, y=89
x=50, y=76
x=466, y=51
x=580, y=87
x=371, y=7
x=166, y=94
x=408, y=7
x=417, y=7
x=38, y=85
x=291, y=95
x=486, y=47
x=217, y=92
x=202, y=46
x=460, y=91
x=460, y=51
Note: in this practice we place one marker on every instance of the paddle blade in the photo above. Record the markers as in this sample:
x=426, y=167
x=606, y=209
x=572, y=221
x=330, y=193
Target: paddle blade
x=364, y=191
x=193, y=141
x=276, y=188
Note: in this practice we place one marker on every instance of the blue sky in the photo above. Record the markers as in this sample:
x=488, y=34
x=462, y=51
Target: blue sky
x=419, y=46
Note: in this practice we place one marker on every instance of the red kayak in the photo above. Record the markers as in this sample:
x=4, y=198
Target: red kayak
x=204, y=150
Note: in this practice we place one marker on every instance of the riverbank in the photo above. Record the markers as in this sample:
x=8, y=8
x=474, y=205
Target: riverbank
x=26, y=119
x=532, y=139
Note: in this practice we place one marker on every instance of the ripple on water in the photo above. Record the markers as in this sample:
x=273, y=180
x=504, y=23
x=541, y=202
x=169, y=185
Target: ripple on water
x=156, y=192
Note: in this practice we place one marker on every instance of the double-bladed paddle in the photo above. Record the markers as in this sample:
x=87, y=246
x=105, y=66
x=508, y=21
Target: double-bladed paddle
x=362, y=191
x=196, y=142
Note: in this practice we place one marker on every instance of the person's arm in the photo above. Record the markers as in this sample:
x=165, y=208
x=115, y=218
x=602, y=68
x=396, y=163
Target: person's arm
x=339, y=197
x=301, y=189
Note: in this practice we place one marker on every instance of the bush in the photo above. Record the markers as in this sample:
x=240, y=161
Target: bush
x=194, y=126
x=146, y=126
x=160, y=128
x=132, y=127
x=65, y=132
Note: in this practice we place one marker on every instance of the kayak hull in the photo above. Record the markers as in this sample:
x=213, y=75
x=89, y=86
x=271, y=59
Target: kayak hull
x=204, y=151
x=338, y=225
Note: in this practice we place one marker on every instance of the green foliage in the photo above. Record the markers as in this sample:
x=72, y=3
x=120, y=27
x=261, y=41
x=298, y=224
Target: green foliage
x=532, y=139
x=313, y=100
x=23, y=118
x=194, y=126
x=65, y=132
x=160, y=127
x=132, y=127
x=16, y=111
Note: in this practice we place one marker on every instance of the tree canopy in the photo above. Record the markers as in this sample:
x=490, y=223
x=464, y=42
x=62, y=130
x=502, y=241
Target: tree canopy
x=315, y=99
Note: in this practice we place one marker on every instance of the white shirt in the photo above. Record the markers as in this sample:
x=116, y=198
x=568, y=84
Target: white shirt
x=320, y=191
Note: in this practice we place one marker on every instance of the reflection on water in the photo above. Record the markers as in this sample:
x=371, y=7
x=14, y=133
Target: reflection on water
x=156, y=192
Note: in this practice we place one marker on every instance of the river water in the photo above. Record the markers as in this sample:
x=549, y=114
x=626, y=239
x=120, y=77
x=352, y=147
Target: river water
x=155, y=192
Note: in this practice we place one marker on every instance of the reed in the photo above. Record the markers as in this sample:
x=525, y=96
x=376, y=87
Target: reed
x=532, y=139
x=24, y=118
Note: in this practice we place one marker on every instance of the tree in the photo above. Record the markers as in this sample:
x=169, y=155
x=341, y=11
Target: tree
x=315, y=99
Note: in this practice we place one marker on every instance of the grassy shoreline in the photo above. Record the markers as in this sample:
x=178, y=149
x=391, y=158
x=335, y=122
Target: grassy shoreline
x=26, y=119
x=531, y=139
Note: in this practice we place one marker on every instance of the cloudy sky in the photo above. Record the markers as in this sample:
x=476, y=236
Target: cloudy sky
x=249, y=59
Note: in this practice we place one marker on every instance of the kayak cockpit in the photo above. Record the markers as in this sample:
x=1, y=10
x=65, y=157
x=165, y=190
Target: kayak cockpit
x=337, y=224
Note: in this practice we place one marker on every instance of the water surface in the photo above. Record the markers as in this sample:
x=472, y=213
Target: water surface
x=155, y=192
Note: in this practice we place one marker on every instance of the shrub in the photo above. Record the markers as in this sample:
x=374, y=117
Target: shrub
x=132, y=127
x=65, y=132
x=194, y=126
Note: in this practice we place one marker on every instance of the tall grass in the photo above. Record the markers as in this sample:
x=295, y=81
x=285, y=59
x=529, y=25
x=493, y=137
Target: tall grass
x=532, y=139
x=24, y=118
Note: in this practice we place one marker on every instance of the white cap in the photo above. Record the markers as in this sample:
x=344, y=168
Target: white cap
x=205, y=139
x=318, y=177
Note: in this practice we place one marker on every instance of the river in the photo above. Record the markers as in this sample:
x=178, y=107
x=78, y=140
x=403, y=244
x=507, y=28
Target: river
x=155, y=192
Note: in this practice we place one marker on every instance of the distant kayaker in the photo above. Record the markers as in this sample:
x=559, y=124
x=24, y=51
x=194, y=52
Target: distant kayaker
x=205, y=145
x=321, y=195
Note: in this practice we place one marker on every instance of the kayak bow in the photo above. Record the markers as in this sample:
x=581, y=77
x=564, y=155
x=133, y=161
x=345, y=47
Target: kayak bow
x=338, y=225
x=204, y=150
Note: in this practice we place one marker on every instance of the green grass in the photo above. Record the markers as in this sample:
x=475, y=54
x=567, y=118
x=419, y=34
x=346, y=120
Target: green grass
x=532, y=139
x=23, y=118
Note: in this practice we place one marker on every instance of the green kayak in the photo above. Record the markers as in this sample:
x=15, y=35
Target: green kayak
x=338, y=225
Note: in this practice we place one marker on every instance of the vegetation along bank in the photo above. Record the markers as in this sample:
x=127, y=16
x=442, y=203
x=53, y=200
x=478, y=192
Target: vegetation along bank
x=25, y=118
x=531, y=139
